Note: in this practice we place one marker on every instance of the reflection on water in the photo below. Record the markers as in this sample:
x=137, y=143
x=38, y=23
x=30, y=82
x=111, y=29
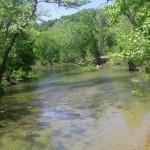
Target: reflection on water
x=69, y=110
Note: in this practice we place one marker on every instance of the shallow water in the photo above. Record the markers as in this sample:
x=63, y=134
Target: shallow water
x=65, y=109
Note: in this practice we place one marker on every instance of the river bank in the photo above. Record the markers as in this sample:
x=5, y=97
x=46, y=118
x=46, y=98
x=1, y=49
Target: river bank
x=58, y=67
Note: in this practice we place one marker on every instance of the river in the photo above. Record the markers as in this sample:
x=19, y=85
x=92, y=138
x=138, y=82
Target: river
x=65, y=109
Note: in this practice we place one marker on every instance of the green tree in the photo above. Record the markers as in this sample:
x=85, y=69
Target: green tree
x=22, y=57
x=81, y=39
x=15, y=15
x=136, y=43
x=86, y=35
x=47, y=47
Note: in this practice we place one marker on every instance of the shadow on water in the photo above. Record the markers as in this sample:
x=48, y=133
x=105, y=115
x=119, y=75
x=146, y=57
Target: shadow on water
x=44, y=81
x=14, y=114
x=92, y=82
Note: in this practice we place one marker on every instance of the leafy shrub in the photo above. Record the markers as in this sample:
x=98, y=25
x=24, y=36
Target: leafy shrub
x=89, y=68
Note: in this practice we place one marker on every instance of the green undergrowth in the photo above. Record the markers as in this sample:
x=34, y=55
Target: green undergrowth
x=89, y=68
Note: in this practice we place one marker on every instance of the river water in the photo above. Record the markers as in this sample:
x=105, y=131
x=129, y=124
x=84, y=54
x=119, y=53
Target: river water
x=65, y=109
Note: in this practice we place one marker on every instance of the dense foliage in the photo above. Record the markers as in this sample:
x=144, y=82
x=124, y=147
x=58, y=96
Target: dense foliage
x=15, y=16
x=132, y=44
x=73, y=39
x=121, y=31
x=22, y=57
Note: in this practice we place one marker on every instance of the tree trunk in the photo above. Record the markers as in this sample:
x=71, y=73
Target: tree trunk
x=95, y=50
x=6, y=54
x=130, y=17
x=131, y=65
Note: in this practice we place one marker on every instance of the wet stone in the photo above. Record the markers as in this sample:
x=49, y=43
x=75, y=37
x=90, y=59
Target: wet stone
x=73, y=125
x=70, y=116
x=59, y=146
x=43, y=124
x=78, y=131
x=41, y=112
x=67, y=136
x=39, y=129
x=56, y=132
x=31, y=136
x=47, y=117
x=87, y=143
x=119, y=107
x=2, y=111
